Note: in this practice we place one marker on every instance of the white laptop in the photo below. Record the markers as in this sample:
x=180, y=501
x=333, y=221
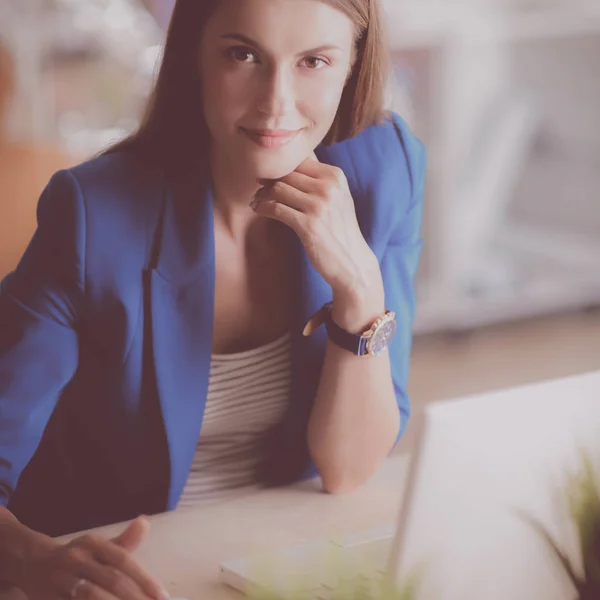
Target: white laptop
x=478, y=462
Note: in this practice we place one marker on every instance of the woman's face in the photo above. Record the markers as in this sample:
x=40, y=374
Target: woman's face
x=273, y=72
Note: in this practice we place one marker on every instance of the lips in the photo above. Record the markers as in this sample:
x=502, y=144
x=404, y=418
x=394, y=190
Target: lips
x=271, y=138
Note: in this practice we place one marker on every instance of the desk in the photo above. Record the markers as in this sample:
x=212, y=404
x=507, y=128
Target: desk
x=185, y=547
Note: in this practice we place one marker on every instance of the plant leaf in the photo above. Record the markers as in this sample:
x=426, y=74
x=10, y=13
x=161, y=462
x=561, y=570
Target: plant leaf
x=558, y=553
x=583, y=498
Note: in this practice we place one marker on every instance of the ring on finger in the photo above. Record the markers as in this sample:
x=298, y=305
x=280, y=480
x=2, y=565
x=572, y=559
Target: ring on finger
x=77, y=587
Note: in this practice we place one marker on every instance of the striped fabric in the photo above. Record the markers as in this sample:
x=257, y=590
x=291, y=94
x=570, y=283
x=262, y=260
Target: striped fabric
x=248, y=392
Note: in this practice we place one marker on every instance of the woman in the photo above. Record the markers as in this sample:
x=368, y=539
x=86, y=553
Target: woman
x=153, y=336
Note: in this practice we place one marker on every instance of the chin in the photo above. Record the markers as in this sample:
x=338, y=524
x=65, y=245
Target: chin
x=274, y=171
x=277, y=166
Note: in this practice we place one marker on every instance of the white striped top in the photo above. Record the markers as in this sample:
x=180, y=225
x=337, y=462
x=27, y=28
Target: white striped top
x=248, y=392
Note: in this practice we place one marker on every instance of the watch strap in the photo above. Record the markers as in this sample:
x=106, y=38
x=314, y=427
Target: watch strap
x=357, y=344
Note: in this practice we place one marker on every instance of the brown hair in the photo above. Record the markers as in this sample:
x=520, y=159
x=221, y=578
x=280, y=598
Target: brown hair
x=173, y=133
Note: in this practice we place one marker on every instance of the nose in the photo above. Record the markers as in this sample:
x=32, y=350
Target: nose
x=276, y=96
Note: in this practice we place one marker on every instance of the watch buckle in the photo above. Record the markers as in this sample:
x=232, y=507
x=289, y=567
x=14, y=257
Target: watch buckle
x=316, y=320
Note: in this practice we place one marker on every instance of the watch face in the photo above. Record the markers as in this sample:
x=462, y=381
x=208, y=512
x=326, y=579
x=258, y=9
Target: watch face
x=382, y=337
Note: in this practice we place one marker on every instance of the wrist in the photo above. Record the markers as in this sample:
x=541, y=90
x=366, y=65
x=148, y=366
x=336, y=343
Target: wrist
x=17, y=545
x=357, y=309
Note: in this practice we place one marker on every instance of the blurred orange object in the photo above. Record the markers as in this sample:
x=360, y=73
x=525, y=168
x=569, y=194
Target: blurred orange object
x=24, y=171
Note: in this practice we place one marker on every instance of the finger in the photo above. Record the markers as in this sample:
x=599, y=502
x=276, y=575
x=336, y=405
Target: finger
x=112, y=580
x=110, y=554
x=324, y=172
x=90, y=591
x=286, y=194
x=122, y=562
x=61, y=583
x=302, y=182
x=280, y=212
x=134, y=535
x=82, y=564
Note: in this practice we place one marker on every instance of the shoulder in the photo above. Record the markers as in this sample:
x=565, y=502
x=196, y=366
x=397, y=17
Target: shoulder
x=118, y=173
x=109, y=205
x=387, y=154
x=114, y=191
x=385, y=168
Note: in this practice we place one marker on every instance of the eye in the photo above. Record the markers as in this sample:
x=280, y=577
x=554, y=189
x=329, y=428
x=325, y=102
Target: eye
x=242, y=54
x=315, y=62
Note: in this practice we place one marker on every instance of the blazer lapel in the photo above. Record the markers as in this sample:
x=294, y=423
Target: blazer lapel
x=181, y=287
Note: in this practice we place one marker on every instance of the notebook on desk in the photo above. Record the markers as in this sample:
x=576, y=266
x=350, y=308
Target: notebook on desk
x=480, y=463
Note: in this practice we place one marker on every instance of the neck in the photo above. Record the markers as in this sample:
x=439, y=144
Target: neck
x=232, y=193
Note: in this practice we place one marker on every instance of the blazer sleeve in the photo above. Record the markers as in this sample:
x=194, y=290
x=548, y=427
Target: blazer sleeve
x=400, y=262
x=40, y=303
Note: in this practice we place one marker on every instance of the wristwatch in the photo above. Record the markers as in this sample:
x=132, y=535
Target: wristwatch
x=372, y=342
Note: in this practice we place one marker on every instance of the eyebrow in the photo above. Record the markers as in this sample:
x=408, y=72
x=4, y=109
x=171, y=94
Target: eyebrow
x=250, y=42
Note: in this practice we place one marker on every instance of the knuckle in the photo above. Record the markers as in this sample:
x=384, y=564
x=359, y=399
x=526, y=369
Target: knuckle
x=338, y=176
x=277, y=187
x=89, y=540
x=318, y=209
x=326, y=188
x=75, y=555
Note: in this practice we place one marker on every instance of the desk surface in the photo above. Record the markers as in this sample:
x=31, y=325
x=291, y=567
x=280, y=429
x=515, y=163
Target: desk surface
x=185, y=548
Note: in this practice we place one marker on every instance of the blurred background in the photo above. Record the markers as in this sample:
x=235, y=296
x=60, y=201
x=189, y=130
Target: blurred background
x=504, y=93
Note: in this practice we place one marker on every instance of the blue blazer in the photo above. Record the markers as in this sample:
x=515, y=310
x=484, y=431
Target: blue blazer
x=106, y=331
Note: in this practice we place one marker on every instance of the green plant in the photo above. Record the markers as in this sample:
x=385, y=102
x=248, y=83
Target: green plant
x=583, y=502
x=351, y=589
x=350, y=583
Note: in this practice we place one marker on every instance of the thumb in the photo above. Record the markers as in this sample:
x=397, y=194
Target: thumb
x=134, y=535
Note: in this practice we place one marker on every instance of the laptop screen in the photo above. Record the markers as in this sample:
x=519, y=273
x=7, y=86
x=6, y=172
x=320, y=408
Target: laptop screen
x=481, y=463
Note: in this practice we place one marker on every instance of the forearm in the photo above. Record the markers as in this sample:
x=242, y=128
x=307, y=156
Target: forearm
x=355, y=420
x=16, y=543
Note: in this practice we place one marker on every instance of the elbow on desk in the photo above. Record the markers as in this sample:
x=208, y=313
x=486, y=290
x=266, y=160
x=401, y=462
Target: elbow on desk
x=339, y=489
x=344, y=477
x=339, y=484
